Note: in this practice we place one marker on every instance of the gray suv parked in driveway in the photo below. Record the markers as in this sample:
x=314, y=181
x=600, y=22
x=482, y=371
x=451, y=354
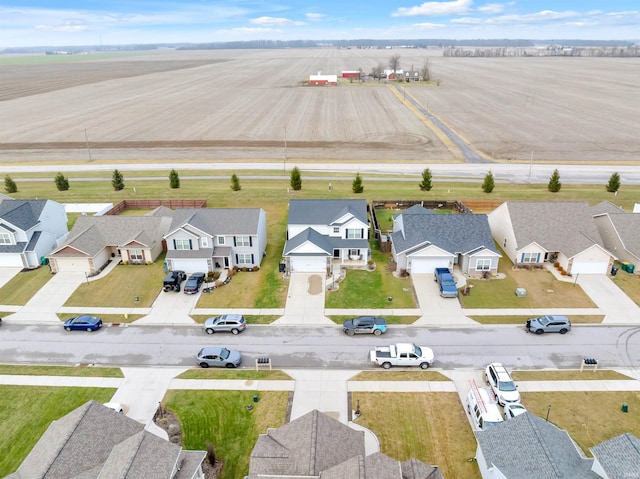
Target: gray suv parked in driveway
x=549, y=324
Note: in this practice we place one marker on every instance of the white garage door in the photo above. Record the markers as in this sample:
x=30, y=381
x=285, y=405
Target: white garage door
x=307, y=264
x=428, y=265
x=189, y=265
x=584, y=267
x=74, y=265
x=11, y=261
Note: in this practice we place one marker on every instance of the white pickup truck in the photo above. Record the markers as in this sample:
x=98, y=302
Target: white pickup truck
x=402, y=354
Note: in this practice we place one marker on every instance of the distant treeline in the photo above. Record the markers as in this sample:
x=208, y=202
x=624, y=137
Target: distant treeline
x=550, y=51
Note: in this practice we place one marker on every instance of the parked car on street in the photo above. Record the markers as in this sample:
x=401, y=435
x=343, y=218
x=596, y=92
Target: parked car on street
x=503, y=386
x=402, y=354
x=83, y=323
x=218, y=357
x=364, y=325
x=549, y=324
x=229, y=323
x=173, y=280
x=513, y=410
x=192, y=286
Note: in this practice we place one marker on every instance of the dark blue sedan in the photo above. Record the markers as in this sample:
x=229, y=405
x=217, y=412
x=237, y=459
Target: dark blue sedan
x=83, y=323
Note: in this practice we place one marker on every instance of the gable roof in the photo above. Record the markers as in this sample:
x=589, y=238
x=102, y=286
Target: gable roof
x=463, y=233
x=94, y=441
x=217, y=221
x=91, y=234
x=528, y=447
x=605, y=207
x=22, y=214
x=321, y=241
x=567, y=227
x=627, y=226
x=619, y=457
x=325, y=212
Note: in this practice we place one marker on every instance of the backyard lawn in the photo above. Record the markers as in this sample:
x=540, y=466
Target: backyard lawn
x=27, y=411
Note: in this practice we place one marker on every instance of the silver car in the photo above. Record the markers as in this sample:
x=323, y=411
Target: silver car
x=218, y=357
x=549, y=324
x=225, y=323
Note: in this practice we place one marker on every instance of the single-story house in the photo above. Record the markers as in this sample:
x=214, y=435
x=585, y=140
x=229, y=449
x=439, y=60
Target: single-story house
x=206, y=239
x=321, y=232
x=423, y=240
x=95, y=442
x=317, y=446
x=533, y=233
x=528, y=447
x=94, y=241
x=29, y=231
x=620, y=233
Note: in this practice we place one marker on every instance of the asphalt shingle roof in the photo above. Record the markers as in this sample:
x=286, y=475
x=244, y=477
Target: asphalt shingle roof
x=462, y=233
x=325, y=212
x=528, y=447
x=567, y=227
x=628, y=227
x=619, y=457
x=23, y=214
x=218, y=221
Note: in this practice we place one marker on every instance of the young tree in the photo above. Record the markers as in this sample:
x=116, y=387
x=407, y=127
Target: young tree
x=614, y=183
x=425, y=71
x=296, y=179
x=394, y=62
x=235, y=183
x=10, y=185
x=426, y=183
x=174, y=180
x=357, y=187
x=554, y=182
x=488, y=184
x=117, y=180
x=62, y=183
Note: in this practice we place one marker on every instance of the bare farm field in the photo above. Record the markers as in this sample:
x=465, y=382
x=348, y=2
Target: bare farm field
x=252, y=105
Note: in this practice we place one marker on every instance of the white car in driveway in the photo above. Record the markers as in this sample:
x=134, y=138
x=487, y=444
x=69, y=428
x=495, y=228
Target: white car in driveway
x=513, y=410
x=501, y=383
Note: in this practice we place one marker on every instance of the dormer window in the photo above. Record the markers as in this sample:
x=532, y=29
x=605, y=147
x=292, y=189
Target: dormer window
x=204, y=242
x=5, y=238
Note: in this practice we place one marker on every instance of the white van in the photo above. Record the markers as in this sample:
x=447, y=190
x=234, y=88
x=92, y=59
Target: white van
x=482, y=407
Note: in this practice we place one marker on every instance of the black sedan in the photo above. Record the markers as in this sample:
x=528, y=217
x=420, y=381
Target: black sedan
x=192, y=286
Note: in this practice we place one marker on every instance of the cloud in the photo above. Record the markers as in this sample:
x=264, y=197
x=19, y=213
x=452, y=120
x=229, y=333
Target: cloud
x=543, y=16
x=491, y=8
x=274, y=21
x=432, y=9
x=70, y=27
x=315, y=17
x=255, y=30
x=428, y=26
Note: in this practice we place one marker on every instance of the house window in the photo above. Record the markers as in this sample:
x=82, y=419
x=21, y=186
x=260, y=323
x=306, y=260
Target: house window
x=354, y=233
x=204, y=242
x=135, y=255
x=336, y=229
x=244, y=258
x=243, y=241
x=483, y=265
x=221, y=240
x=183, y=244
x=5, y=238
x=354, y=253
x=529, y=258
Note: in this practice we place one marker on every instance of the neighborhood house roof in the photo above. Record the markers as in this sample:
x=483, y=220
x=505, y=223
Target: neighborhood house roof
x=325, y=212
x=463, y=233
x=566, y=227
x=619, y=457
x=627, y=226
x=218, y=221
x=528, y=447
x=23, y=214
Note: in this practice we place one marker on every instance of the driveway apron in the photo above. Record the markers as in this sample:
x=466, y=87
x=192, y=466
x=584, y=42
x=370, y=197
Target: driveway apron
x=305, y=300
x=612, y=301
x=42, y=307
x=437, y=311
x=171, y=308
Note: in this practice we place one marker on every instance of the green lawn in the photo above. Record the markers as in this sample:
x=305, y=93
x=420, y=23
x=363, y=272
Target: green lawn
x=222, y=419
x=569, y=375
x=27, y=411
x=391, y=375
x=250, y=318
x=77, y=371
x=629, y=283
x=389, y=319
x=200, y=373
x=24, y=285
x=507, y=319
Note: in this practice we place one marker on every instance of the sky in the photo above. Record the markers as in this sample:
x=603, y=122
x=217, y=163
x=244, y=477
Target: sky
x=89, y=22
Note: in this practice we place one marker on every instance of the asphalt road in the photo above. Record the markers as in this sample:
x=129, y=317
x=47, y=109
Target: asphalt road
x=319, y=347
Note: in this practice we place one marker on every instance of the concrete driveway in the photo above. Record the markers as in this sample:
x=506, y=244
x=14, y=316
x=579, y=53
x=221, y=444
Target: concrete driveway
x=437, y=311
x=611, y=300
x=6, y=274
x=172, y=308
x=305, y=300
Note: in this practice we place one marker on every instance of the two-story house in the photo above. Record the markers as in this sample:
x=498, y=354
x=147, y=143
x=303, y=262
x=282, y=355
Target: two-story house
x=323, y=231
x=206, y=239
x=29, y=230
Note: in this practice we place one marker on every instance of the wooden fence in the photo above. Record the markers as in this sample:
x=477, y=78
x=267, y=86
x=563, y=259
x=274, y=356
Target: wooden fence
x=151, y=204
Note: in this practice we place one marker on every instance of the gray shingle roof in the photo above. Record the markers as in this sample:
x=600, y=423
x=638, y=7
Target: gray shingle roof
x=218, y=221
x=325, y=212
x=23, y=214
x=619, y=457
x=528, y=447
x=456, y=234
x=567, y=227
x=627, y=226
x=605, y=207
x=95, y=442
x=90, y=234
x=415, y=469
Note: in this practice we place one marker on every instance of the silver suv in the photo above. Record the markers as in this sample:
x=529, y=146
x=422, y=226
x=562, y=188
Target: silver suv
x=503, y=386
x=549, y=324
x=228, y=323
